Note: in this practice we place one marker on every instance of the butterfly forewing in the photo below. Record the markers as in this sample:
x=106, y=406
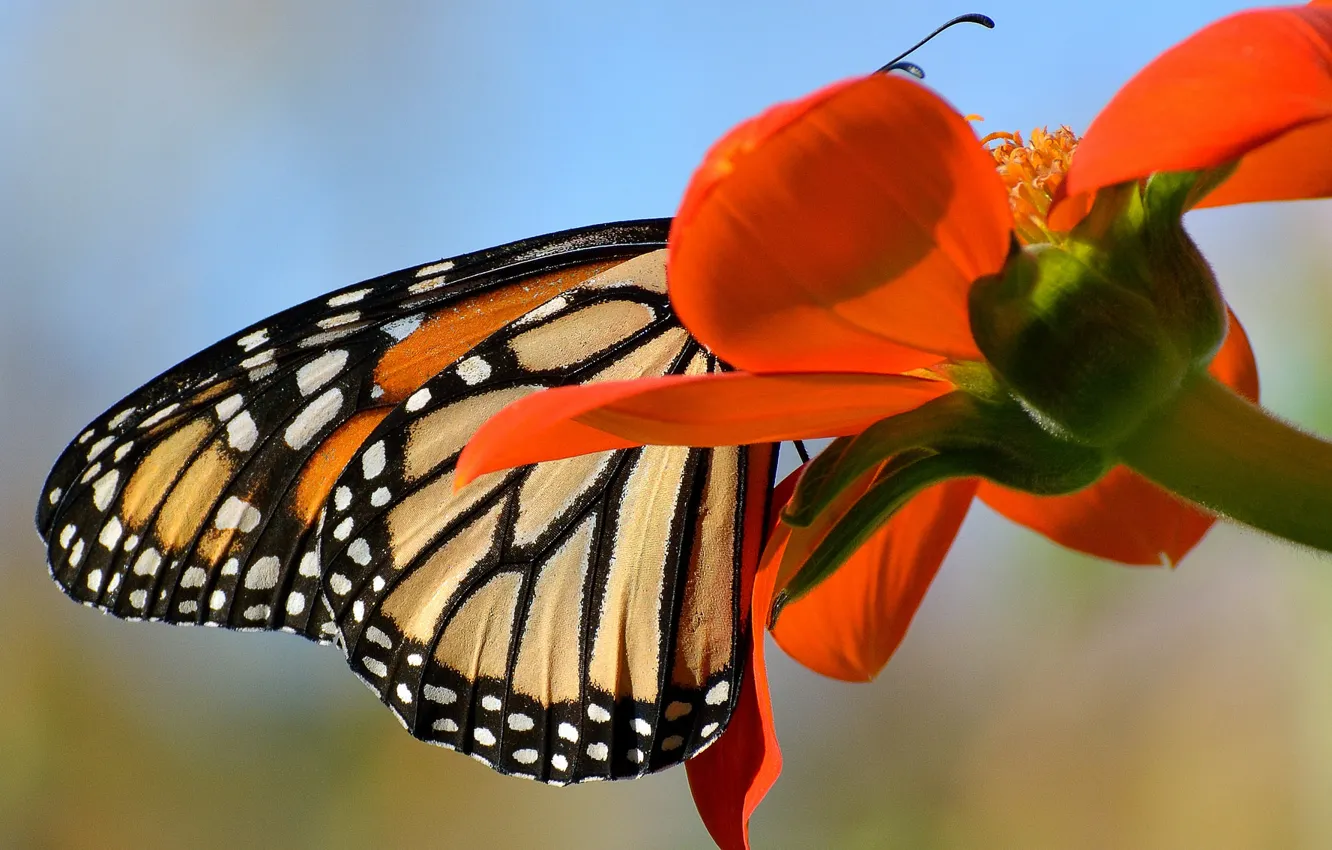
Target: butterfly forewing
x=192, y=500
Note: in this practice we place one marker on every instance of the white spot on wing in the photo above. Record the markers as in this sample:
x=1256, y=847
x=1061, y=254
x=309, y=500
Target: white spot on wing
x=339, y=584
x=193, y=577
x=54, y=495
x=309, y=565
x=372, y=462
x=76, y=553
x=217, y=600
x=376, y=635
x=444, y=725
x=417, y=400
x=313, y=419
x=520, y=722
x=241, y=432
x=258, y=612
x=374, y=665
x=263, y=573
x=484, y=736
x=253, y=340
x=718, y=693
x=228, y=407
x=559, y=762
x=434, y=268
x=295, y=602
x=148, y=562
x=525, y=756
x=342, y=498
x=263, y=358
x=598, y=714
x=439, y=694
x=598, y=751
x=339, y=320
x=473, y=370
x=404, y=693
x=380, y=497
x=491, y=703
x=402, y=328
x=67, y=534
x=238, y=514
x=160, y=415
x=320, y=370
x=359, y=551
x=100, y=446
x=139, y=599
x=95, y=580
x=568, y=732
x=642, y=727
x=121, y=418
x=104, y=488
x=343, y=529
x=348, y=297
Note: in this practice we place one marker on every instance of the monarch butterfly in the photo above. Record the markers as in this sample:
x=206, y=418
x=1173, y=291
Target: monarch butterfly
x=569, y=621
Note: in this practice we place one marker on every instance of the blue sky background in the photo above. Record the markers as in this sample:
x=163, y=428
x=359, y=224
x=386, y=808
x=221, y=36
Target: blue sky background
x=170, y=172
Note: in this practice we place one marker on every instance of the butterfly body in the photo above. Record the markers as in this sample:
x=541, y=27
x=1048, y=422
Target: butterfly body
x=581, y=619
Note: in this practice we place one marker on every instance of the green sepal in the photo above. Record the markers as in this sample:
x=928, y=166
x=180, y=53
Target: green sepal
x=1099, y=331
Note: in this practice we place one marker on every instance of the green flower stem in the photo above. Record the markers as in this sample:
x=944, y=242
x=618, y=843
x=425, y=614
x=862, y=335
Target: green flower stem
x=881, y=501
x=1214, y=448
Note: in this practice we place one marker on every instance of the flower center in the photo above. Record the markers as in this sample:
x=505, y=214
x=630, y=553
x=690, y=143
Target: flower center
x=1032, y=171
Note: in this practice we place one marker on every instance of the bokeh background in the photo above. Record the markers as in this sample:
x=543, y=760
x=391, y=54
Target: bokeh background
x=170, y=172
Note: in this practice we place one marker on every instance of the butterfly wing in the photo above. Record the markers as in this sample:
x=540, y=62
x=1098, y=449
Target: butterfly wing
x=192, y=500
x=575, y=620
x=568, y=621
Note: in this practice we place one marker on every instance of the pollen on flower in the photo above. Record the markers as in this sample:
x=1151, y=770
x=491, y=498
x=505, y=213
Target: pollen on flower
x=1032, y=171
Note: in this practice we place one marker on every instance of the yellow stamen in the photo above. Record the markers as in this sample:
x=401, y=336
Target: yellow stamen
x=1032, y=171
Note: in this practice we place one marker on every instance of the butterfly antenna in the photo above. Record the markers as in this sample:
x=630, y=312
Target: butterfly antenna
x=896, y=63
x=801, y=450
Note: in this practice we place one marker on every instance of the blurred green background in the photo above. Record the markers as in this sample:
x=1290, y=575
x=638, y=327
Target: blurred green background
x=170, y=172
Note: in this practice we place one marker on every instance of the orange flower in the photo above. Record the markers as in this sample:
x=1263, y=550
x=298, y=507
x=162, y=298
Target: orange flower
x=827, y=249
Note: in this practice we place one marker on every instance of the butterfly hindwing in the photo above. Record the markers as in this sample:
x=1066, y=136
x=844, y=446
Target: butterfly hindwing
x=570, y=621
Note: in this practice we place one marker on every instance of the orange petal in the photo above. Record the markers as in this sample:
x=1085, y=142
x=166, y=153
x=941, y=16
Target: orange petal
x=1124, y=517
x=1237, y=90
x=840, y=233
x=850, y=625
x=734, y=408
x=731, y=777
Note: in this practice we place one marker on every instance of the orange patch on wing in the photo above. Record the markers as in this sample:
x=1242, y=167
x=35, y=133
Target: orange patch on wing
x=326, y=464
x=451, y=332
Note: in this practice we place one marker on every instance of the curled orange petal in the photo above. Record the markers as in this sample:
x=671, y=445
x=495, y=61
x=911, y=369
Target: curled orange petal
x=1124, y=517
x=729, y=409
x=850, y=625
x=840, y=233
x=1254, y=88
